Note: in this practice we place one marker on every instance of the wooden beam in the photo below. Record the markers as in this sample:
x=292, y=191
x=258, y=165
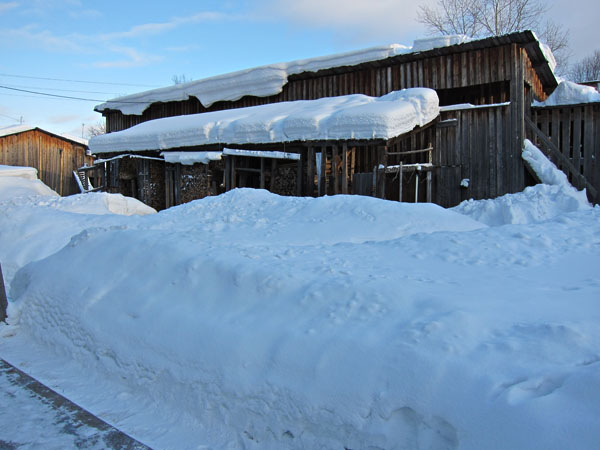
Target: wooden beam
x=299, y=175
x=233, y=173
x=273, y=171
x=429, y=178
x=400, y=182
x=334, y=156
x=323, y=178
x=345, y=169
x=310, y=171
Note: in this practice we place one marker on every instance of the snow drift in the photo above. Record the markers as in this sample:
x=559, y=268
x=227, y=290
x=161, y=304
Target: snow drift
x=251, y=320
x=553, y=197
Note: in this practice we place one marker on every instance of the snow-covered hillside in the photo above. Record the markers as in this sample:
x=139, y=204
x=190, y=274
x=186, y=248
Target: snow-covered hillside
x=251, y=320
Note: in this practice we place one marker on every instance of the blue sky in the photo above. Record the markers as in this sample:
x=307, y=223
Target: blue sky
x=129, y=46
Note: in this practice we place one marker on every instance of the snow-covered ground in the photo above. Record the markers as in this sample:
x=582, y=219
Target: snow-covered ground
x=251, y=320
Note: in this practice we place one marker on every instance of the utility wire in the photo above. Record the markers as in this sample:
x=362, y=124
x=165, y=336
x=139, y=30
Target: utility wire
x=76, y=81
x=12, y=118
x=65, y=90
x=63, y=96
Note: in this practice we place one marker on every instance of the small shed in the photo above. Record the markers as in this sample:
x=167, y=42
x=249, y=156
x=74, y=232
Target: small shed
x=354, y=144
x=54, y=156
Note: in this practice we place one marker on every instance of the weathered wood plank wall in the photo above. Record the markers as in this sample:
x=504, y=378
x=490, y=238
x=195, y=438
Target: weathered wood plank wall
x=477, y=76
x=53, y=157
x=476, y=145
x=575, y=131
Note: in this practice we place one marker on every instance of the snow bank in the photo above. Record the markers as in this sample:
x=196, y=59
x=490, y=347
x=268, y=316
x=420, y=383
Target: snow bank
x=554, y=197
x=251, y=320
x=16, y=181
x=36, y=222
x=346, y=117
x=569, y=93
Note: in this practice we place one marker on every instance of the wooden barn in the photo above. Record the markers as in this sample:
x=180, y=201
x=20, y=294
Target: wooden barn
x=55, y=157
x=485, y=88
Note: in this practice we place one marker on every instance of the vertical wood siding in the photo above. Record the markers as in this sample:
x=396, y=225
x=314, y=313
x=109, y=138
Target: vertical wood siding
x=53, y=157
x=477, y=76
x=575, y=130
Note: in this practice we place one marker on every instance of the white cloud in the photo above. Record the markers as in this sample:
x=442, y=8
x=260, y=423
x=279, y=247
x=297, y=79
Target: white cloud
x=133, y=59
x=383, y=19
x=5, y=6
x=31, y=35
x=57, y=120
x=149, y=29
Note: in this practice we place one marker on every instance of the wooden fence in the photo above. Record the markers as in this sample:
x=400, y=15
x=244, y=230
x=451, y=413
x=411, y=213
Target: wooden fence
x=570, y=137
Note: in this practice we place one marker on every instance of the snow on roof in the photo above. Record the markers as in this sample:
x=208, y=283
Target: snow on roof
x=569, y=93
x=16, y=129
x=336, y=118
x=189, y=158
x=266, y=80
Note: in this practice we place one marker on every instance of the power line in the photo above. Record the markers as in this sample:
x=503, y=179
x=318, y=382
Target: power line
x=12, y=118
x=76, y=81
x=62, y=96
x=65, y=90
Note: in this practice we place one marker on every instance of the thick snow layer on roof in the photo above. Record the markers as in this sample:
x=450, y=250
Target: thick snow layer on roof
x=267, y=80
x=424, y=44
x=261, y=153
x=333, y=118
x=7, y=131
x=190, y=158
x=569, y=93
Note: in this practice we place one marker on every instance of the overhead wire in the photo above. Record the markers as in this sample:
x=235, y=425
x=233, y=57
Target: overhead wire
x=76, y=81
x=64, y=96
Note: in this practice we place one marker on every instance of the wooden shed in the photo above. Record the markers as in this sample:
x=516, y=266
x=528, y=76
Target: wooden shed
x=54, y=156
x=487, y=85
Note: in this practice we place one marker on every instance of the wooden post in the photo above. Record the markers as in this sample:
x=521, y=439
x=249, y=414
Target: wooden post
x=374, y=183
x=417, y=186
x=517, y=109
x=262, y=173
x=310, y=172
x=227, y=173
x=323, y=178
x=345, y=169
x=429, y=176
x=400, y=182
x=3, y=299
x=233, y=172
x=334, y=156
x=299, y=176
x=273, y=170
